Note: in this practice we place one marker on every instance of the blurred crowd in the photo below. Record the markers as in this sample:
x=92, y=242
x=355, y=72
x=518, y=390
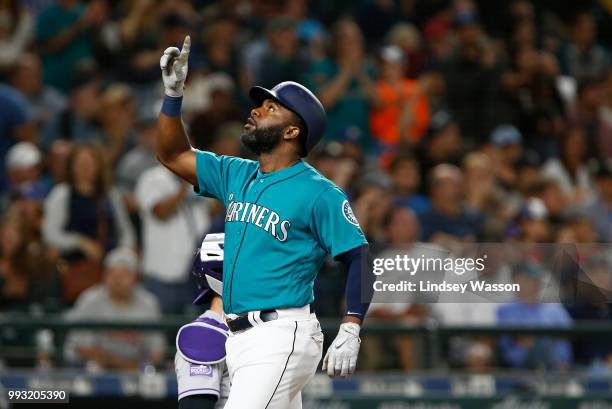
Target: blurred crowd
x=449, y=121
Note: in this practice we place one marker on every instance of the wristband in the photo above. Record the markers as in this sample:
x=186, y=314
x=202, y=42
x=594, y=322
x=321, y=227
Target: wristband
x=172, y=106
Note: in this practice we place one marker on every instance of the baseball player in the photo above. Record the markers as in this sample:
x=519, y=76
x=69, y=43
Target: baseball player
x=282, y=218
x=201, y=372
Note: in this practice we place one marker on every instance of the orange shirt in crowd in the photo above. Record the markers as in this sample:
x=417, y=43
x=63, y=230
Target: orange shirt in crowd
x=385, y=120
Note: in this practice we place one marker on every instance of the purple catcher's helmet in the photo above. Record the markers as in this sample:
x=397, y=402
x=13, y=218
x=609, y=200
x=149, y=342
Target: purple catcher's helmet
x=208, y=267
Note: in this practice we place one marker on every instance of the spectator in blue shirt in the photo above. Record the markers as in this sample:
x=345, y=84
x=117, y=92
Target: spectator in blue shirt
x=406, y=178
x=447, y=221
x=45, y=100
x=533, y=351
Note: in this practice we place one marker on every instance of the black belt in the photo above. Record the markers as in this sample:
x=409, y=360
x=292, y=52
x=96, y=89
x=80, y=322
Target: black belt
x=242, y=322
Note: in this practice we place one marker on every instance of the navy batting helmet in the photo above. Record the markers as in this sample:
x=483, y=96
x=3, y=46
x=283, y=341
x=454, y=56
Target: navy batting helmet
x=300, y=100
x=208, y=267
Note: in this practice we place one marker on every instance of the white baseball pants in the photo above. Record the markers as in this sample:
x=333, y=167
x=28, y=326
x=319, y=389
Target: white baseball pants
x=270, y=363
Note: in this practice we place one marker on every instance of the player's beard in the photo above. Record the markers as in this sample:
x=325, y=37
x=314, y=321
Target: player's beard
x=263, y=140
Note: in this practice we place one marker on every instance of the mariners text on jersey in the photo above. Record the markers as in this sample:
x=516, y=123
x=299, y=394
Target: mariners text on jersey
x=260, y=216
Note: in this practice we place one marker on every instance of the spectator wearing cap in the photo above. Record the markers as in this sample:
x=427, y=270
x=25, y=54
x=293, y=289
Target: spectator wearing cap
x=85, y=217
x=532, y=224
x=343, y=84
x=23, y=162
x=34, y=261
x=77, y=122
x=447, y=221
x=65, y=35
x=23, y=170
x=400, y=113
x=570, y=169
x=533, y=352
x=45, y=100
x=118, y=298
x=505, y=150
x=116, y=116
x=442, y=144
x=599, y=206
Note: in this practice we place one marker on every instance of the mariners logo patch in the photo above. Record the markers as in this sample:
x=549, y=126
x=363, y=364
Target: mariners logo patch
x=348, y=213
x=200, y=370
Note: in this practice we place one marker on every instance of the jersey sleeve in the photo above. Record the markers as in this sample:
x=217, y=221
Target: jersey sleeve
x=334, y=224
x=215, y=171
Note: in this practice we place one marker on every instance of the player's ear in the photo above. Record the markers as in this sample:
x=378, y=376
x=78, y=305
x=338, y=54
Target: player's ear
x=291, y=132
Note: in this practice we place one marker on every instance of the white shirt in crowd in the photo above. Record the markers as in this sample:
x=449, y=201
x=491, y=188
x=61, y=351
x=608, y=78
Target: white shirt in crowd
x=169, y=245
x=554, y=169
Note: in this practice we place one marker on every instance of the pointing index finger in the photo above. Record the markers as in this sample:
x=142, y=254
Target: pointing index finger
x=185, y=49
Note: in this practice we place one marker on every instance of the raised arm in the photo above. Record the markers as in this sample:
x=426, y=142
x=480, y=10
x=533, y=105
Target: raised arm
x=173, y=149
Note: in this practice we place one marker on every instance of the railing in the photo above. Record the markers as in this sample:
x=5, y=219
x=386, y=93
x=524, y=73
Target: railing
x=433, y=334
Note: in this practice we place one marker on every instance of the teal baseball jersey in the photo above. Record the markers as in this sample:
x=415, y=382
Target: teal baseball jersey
x=278, y=228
